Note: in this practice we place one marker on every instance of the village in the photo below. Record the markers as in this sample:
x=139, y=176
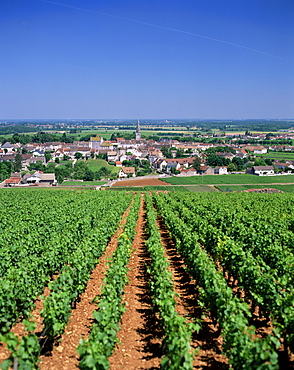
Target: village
x=139, y=157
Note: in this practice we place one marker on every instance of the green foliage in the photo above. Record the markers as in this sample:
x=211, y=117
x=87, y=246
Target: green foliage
x=6, y=168
x=259, y=162
x=25, y=351
x=95, y=351
x=177, y=331
x=37, y=166
x=78, y=155
x=195, y=222
x=17, y=163
x=73, y=277
x=228, y=179
x=47, y=156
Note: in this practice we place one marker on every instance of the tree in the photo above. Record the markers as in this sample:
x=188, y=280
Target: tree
x=232, y=167
x=61, y=173
x=6, y=168
x=238, y=162
x=89, y=175
x=78, y=155
x=268, y=161
x=180, y=153
x=47, y=156
x=197, y=163
x=17, y=163
x=38, y=166
x=259, y=162
x=166, y=152
x=50, y=167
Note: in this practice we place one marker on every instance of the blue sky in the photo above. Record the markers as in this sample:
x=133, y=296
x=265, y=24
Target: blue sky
x=164, y=59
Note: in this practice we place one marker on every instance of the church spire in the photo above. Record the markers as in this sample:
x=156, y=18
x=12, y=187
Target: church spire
x=138, y=133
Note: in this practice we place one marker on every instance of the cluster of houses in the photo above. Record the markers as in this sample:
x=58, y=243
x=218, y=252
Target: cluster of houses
x=119, y=150
x=37, y=178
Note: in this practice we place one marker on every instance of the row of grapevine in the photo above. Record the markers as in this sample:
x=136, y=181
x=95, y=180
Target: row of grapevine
x=242, y=347
x=94, y=351
x=74, y=276
x=267, y=232
x=263, y=285
x=91, y=237
x=177, y=348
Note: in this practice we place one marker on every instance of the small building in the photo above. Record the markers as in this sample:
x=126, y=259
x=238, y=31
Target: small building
x=112, y=156
x=127, y=172
x=48, y=179
x=262, y=170
x=227, y=155
x=13, y=180
x=187, y=172
x=206, y=170
x=7, y=147
x=221, y=170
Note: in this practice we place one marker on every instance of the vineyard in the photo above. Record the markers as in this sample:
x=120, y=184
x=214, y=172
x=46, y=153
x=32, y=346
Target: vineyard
x=146, y=280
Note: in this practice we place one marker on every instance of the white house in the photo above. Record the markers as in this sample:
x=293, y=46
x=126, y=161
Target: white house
x=221, y=170
x=263, y=170
x=127, y=172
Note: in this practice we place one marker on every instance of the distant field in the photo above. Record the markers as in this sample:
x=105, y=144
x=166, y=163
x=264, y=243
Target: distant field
x=95, y=165
x=228, y=179
x=83, y=183
x=149, y=188
x=106, y=134
x=279, y=155
x=228, y=188
x=201, y=188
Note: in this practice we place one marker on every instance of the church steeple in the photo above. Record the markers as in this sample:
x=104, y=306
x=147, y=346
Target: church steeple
x=138, y=133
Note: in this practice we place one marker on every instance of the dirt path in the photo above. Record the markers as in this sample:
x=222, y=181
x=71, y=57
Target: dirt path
x=208, y=341
x=64, y=356
x=139, y=346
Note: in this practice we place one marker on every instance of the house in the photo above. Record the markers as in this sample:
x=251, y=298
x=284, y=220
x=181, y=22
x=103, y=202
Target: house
x=159, y=164
x=187, y=172
x=38, y=153
x=48, y=179
x=227, y=155
x=26, y=160
x=127, y=172
x=256, y=149
x=118, y=164
x=38, y=159
x=13, y=180
x=206, y=170
x=8, y=157
x=262, y=170
x=112, y=156
x=186, y=162
x=221, y=170
x=41, y=178
x=240, y=153
x=7, y=147
x=32, y=179
x=171, y=165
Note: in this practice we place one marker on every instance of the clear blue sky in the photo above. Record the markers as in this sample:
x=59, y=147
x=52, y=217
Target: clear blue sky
x=147, y=59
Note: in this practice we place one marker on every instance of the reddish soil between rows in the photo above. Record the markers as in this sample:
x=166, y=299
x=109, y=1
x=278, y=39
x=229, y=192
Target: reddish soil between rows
x=140, y=337
x=64, y=355
x=207, y=343
x=139, y=343
x=143, y=182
